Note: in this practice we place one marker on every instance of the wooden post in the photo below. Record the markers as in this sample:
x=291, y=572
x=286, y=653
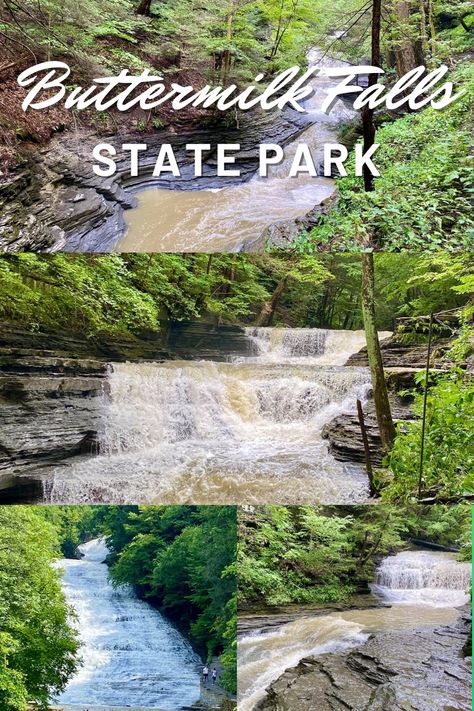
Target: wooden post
x=365, y=440
x=425, y=402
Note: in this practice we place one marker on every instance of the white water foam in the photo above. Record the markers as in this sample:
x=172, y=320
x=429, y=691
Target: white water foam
x=424, y=577
x=132, y=656
x=227, y=432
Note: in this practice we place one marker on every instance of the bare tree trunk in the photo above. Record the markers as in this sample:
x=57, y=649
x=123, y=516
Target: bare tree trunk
x=382, y=403
x=226, y=55
x=408, y=55
x=267, y=311
x=144, y=7
x=432, y=29
x=423, y=28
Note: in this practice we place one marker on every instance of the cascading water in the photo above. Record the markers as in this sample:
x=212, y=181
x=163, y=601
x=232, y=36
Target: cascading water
x=423, y=577
x=226, y=432
x=224, y=219
x=262, y=658
x=306, y=345
x=431, y=585
x=131, y=655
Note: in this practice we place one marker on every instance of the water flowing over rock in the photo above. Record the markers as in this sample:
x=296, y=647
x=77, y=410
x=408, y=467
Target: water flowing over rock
x=423, y=577
x=235, y=217
x=207, y=431
x=132, y=655
x=408, y=655
x=52, y=391
x=55, y=201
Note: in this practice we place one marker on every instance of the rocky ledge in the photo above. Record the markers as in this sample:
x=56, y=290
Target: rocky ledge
x=51, y=390
x=402, y=362
x=271, y=618
x=55, y=202
x=421, y=670
x=53, y=386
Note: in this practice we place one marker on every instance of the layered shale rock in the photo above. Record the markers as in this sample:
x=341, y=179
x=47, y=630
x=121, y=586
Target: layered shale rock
x=54, y=201
x=54, y=389
x=422, y=670
x=402, y=363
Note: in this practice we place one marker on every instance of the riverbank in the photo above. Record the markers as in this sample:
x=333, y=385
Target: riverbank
x=263, y=620
x=420, y=667
x=53, y=201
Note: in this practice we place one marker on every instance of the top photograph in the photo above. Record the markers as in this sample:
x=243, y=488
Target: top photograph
x=236, y=125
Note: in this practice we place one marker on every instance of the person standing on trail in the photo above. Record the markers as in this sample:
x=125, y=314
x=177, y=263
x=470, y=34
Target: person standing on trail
x=205, y=674
x=214, y=675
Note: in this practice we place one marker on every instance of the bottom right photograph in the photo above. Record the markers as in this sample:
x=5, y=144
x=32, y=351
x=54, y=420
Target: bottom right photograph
x=366, y=608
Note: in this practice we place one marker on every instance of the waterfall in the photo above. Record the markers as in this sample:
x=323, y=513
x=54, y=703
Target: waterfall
x=219, y=432
x=131, y=655
x=309, y=345
x=264, y=657
x=427, y=578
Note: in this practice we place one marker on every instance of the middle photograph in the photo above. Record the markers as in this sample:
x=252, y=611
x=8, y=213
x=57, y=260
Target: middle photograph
x=166, y=378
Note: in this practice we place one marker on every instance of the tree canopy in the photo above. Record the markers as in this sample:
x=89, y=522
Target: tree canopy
x=38, y=647
x=127, y=295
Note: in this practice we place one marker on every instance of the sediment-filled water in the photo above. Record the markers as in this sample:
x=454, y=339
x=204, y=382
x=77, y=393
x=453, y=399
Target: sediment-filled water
x=226, y=432
x=440, y=582
x=225, y=219
x=132, y=656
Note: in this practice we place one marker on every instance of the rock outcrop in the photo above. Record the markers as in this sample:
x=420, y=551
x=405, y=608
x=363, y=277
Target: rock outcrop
x=345, y=438
x=393, y=671
x=54, y=201
x=53, y=388
x=402, y=362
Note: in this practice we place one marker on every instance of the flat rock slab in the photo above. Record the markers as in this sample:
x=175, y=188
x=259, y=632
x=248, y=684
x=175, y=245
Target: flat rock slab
x=417, y=670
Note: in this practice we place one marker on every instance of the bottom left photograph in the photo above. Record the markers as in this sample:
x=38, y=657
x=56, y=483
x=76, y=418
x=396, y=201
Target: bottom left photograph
x=118, y=606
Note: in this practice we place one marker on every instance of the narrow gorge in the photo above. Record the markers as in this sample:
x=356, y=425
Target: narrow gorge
x=54, y=201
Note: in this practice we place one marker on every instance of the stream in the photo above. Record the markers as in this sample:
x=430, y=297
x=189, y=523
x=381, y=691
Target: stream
x=132, y=656
x=224, y=219
x=424, y=589
x=222, y=432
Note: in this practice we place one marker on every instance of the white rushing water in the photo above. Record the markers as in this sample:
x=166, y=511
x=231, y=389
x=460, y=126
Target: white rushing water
x=222, y=220
x=424, y=577
x=306, y=345
x=262, y=658
x=423, y=587
x=132, y=656
x=207, y=432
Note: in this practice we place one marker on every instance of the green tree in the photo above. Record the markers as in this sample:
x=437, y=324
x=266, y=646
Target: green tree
x=38, y=648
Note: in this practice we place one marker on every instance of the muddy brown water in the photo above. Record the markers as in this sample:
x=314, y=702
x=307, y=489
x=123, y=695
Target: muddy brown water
x=226, y=219
x=425, y=588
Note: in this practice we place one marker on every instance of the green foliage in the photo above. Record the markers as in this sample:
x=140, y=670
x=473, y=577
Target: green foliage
x=74, y=525
x=423, y=197
x=125, y=295
x=449, y=444
x=324, y=554
x=303, y=555
x=38, y=648
x=122, y=295
x=183, y=559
